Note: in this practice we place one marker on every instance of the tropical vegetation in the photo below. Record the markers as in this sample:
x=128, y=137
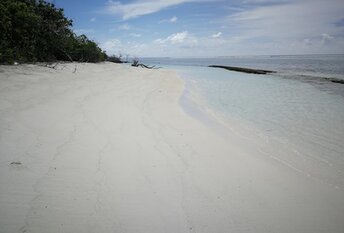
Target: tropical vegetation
x=38, y=31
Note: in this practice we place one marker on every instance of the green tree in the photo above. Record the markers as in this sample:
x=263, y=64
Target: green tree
x=32, y=30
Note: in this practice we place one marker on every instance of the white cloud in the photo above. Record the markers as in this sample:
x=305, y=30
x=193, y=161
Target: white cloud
x=117, y=47
x=143, y=7
x=216, y=35
x=299, y=19
x=178, y=45
x=307, y=41
x=93, y=19
x=135, y=35
x=259, y=27
x=326, y=38
x=173, y=19
x=186, y=44
x=265, y=1
x=112, y=45
x=124, y=26
x=304, y=26
x=179, y=38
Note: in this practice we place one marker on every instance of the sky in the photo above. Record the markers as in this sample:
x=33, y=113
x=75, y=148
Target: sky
x=209, y=28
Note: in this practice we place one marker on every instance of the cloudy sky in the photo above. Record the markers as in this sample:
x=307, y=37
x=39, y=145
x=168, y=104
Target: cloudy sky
x=207, y=28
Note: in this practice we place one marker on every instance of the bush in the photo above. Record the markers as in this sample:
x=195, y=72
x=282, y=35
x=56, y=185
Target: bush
x=35, y=30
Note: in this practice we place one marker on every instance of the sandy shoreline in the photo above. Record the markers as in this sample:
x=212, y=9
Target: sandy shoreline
x=109, y=149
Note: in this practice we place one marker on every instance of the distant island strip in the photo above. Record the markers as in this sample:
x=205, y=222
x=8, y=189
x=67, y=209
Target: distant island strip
x=244, y=70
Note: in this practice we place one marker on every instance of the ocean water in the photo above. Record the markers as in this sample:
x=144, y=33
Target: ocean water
x=297, y=117
x=312, y=66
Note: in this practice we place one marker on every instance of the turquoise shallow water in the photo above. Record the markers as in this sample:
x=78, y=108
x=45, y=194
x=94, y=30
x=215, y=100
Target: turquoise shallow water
x=300, y=124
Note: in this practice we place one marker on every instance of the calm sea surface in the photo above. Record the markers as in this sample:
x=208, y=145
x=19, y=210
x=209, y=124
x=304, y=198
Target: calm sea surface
x=297, y=116
x=330, y=66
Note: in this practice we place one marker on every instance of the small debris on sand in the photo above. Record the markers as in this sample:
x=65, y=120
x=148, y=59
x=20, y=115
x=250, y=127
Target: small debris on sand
x=16, y=163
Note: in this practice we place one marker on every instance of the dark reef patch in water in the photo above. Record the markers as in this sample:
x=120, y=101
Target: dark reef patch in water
x=244, y=70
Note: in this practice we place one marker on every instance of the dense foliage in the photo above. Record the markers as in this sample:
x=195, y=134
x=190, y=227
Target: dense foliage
x=35, y=30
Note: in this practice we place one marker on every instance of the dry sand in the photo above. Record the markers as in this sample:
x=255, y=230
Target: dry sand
x=109, y=149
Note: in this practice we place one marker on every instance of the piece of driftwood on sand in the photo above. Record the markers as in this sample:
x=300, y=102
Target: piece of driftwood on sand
x=137, y=64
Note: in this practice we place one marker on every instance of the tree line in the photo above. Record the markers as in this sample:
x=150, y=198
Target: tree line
x=37, y=31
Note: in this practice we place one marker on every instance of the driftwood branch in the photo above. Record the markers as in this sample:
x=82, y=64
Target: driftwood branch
x=137, y=64
x=49, y=65
x=70, y=58
x=148, y=67
x=65, y=53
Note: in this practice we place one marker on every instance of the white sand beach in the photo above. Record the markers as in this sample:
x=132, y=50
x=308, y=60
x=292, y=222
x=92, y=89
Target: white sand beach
x=109, y=149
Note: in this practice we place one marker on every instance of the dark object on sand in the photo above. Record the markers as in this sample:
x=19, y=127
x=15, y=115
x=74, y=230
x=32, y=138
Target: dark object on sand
x=16, y=163
x=137, y=64
x=244, y=70
x=115, y=59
